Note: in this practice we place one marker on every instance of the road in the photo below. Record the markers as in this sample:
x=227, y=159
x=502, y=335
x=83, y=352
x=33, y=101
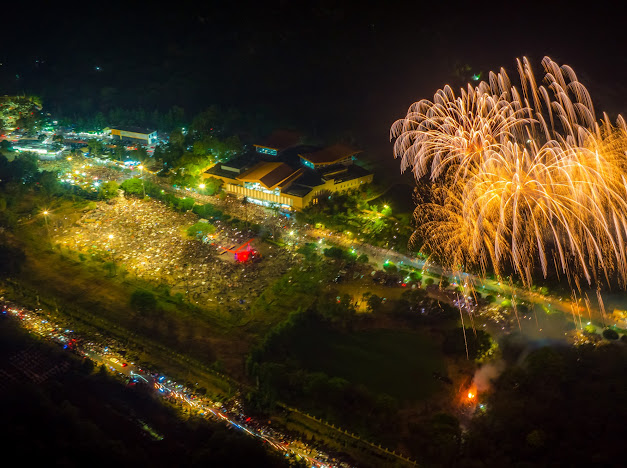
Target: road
x=104, y=353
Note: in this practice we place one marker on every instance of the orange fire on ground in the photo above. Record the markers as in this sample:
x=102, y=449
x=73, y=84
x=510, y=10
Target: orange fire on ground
x=472, y=393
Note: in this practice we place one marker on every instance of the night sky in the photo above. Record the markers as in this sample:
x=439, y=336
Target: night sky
x=344, y=69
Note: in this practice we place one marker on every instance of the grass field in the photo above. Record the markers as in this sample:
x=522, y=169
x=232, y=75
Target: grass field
x=396, y=362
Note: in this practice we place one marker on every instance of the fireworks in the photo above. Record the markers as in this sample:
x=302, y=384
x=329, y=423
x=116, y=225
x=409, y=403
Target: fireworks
x=523, y=177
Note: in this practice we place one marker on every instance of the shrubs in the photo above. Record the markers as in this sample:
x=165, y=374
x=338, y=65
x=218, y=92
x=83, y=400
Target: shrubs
x=143, y=301
x=610, y=334
x=478, y=343
x=200, y=229
x=389, y=267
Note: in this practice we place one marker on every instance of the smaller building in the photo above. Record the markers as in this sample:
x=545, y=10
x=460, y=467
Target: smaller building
x=332, y=155
x=42, y=150
x=277, y=142
x=134, y=134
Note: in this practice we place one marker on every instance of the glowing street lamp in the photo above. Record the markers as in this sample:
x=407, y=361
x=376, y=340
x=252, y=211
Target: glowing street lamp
x=201, y=186
x=45, y=213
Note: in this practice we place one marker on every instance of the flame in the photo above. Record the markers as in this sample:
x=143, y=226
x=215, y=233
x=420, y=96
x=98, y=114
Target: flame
x=472, y=392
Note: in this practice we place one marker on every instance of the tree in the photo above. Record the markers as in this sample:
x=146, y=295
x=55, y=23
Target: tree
x=213, y=185
x=110, y=267
x=11, y=260
x=143, y=301
x=444, y=436
x=177, y=139
x=334, y=252
x=96, y=147
x=120, y=152
x=48, y=183
x=141, y=154
x=389, y=267
x=133, y=186
x=200, y=230
x=415, y=276
x=478, y=342
x=206, y=121
x=374, y=303
x=24, y=168
x=308, y=251
x=590, y=329
x=108, y=190
x=5, y=145
x=610, y=334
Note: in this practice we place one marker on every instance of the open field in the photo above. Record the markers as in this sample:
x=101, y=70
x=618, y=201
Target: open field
x=394, y=362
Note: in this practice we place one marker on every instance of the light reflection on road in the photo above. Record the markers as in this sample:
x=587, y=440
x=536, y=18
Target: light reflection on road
x=103, y=353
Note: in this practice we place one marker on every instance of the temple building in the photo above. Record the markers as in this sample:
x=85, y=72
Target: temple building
x=293, y=177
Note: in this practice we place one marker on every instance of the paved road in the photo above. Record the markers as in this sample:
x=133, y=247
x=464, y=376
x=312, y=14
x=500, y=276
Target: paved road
x=103, y=353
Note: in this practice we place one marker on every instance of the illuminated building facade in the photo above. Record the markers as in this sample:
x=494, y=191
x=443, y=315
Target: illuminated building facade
x=134, y=134
x=291, y=184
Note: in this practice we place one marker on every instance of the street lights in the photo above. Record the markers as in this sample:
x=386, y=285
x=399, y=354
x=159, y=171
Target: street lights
x=141, y=168
x=45, y=213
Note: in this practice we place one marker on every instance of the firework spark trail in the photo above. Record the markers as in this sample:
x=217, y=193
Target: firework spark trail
x=521, y=175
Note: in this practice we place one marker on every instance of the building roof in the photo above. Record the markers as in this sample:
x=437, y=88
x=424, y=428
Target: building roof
x=297, y=190
x=280, y=140
x=340, y=173
x=217, y=170
x=142, y=130
x=238, y=163
x=330, y=154
x=270, y=174
x=310, y=178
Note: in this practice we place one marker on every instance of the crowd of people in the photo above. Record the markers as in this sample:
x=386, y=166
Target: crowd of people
x=147, y=239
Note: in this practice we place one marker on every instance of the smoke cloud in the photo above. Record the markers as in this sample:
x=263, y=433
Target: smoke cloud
x=486, y=374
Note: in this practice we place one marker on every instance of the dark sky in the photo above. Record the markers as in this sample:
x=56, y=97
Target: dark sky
x=321, y=65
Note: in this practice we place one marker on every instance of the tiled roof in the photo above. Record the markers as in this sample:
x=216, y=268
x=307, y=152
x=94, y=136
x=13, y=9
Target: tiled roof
x=280, y=140
x=270, y=174
x=330, y=155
